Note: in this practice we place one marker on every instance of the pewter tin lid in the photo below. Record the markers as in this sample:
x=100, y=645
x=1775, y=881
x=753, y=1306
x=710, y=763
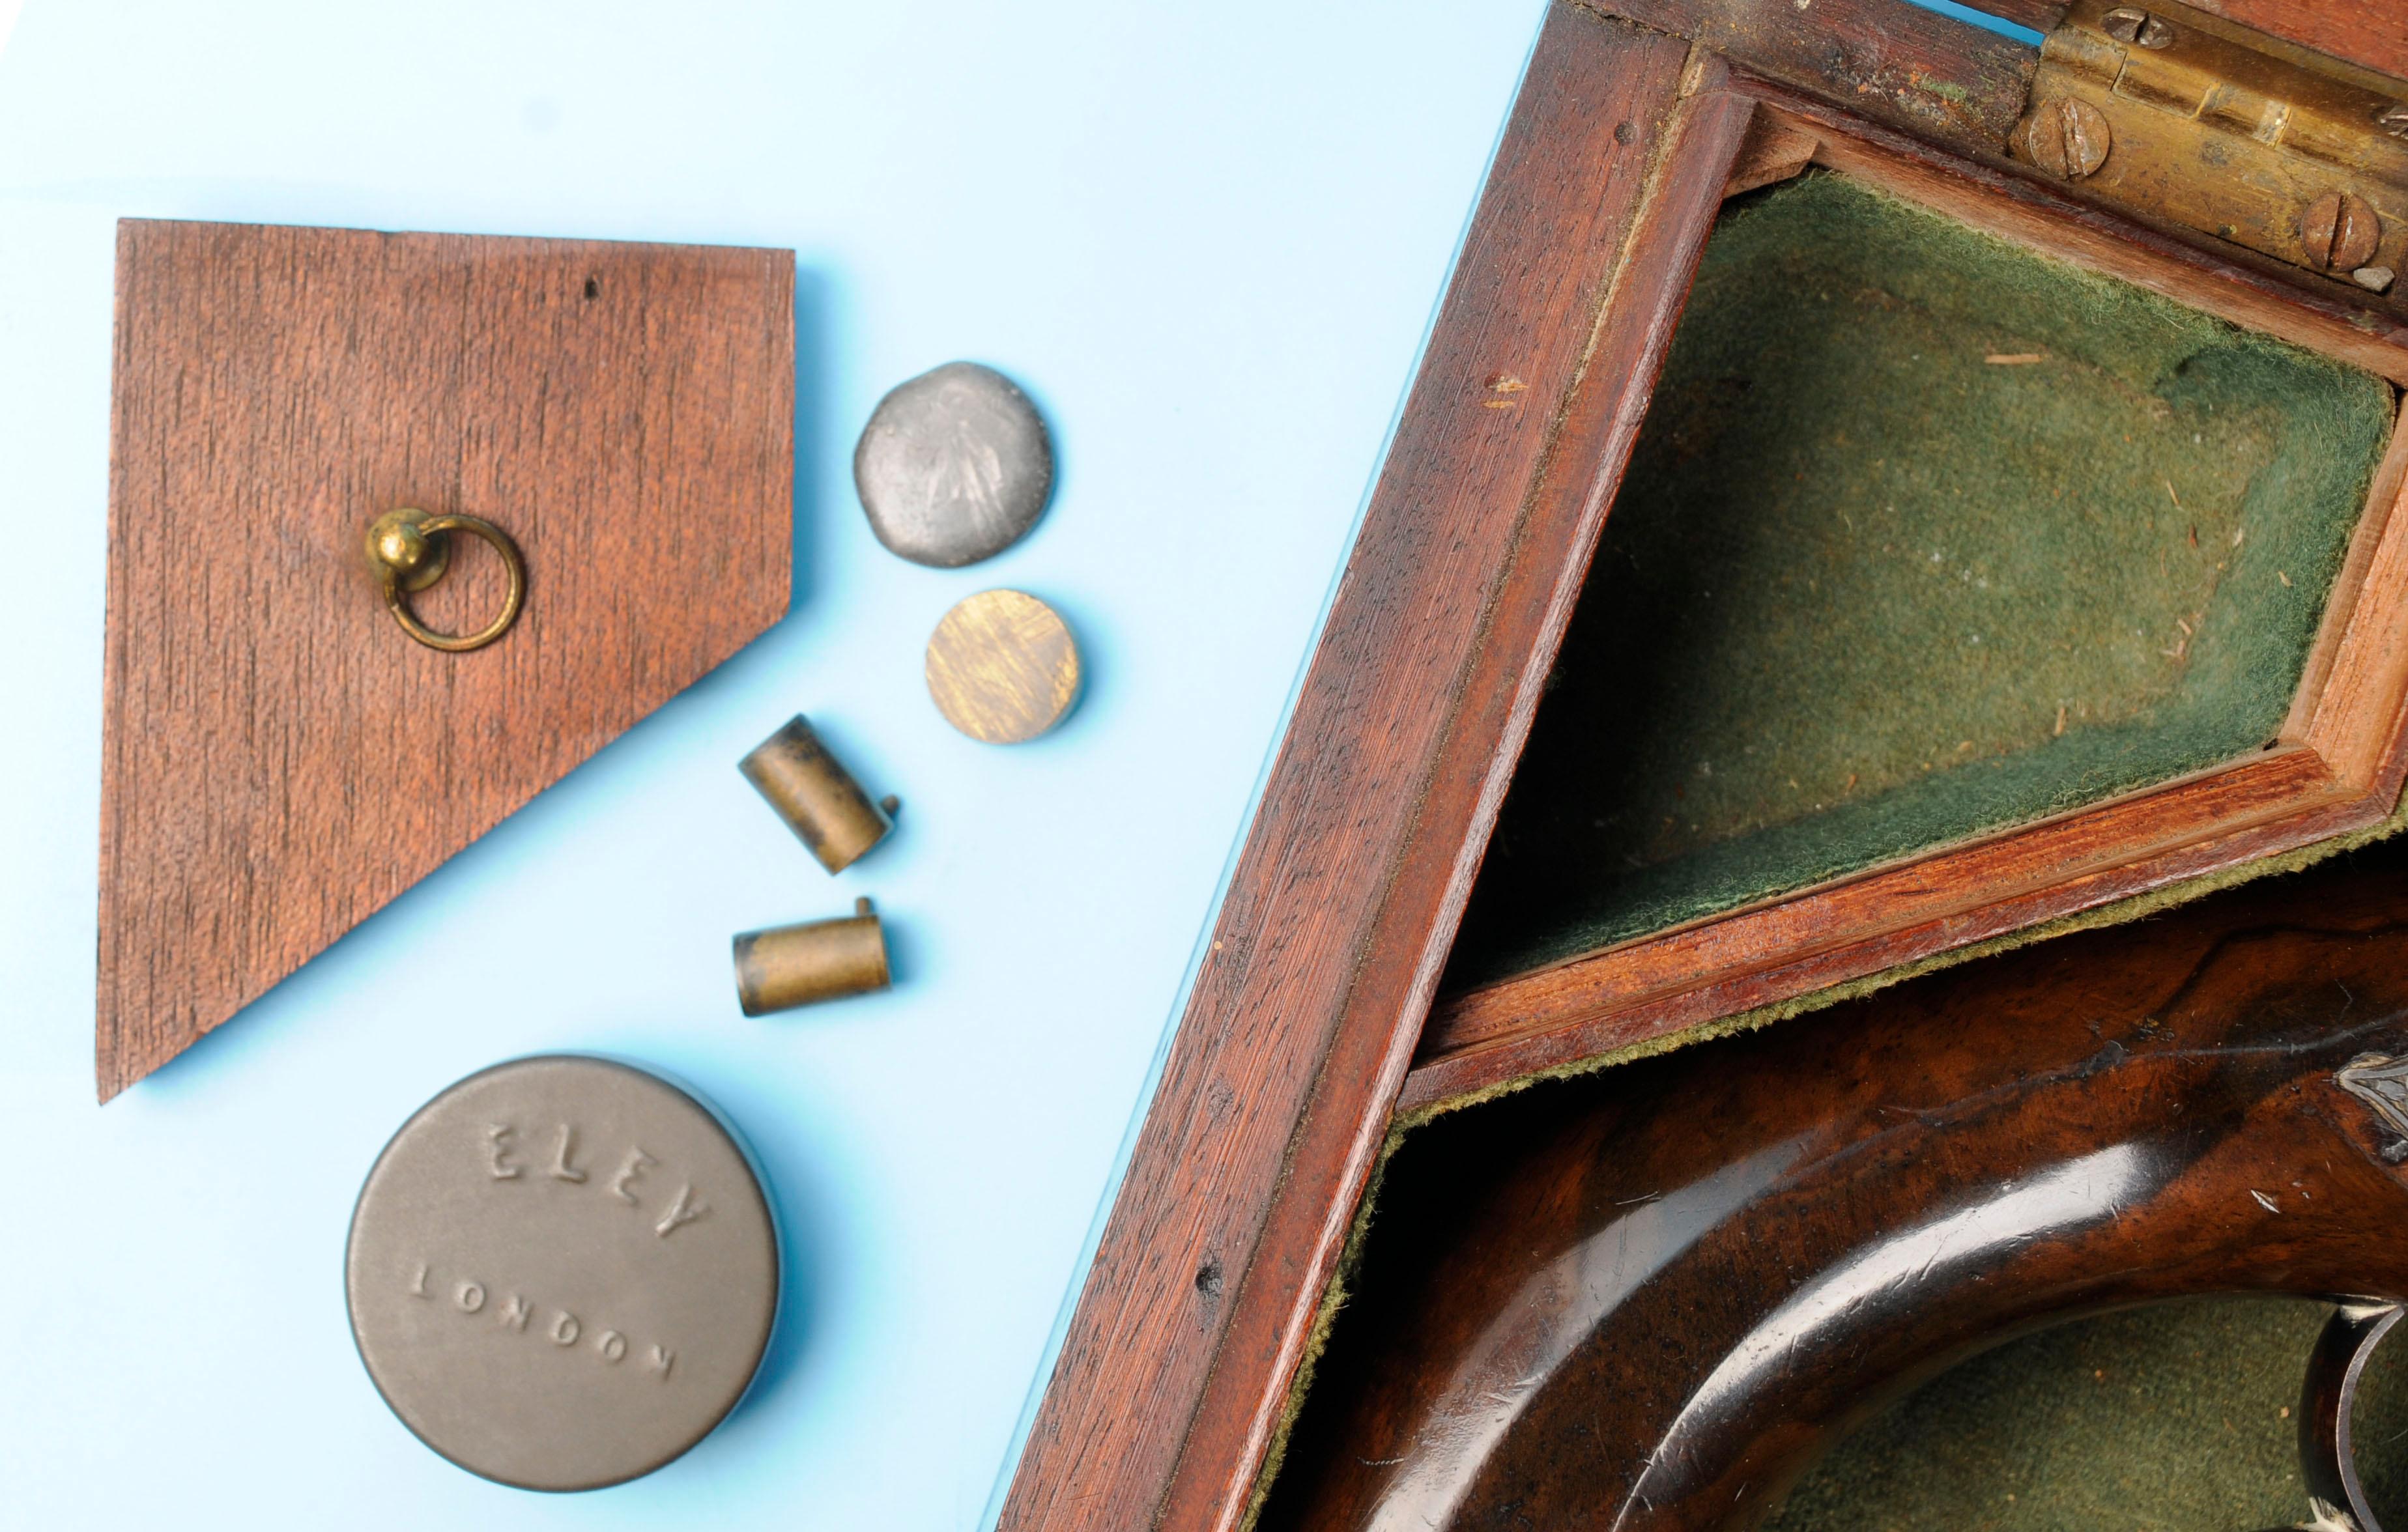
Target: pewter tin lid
x=563, y=1272
x=953, y=466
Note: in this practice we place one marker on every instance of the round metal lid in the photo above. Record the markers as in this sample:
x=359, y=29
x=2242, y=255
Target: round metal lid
x=953, y=466
x=563, y=1272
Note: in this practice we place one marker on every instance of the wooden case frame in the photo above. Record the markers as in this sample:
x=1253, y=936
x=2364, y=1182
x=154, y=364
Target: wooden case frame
x=2335, y=766
x=1304, y=1035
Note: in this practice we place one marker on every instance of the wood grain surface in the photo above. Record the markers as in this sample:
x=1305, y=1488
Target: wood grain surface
x=1944, y=79
x=2039, y=15
x=2349, y=703
x=1276, y=1093
x=279, y=760
x=1547, y=563
x=2371, y=33
x=1895, y=916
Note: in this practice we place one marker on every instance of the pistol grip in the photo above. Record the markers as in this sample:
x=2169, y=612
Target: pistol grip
x=1667, y=1299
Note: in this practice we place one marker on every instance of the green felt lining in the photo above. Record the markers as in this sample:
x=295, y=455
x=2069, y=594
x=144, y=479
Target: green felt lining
x=2180, y=1417
x=1875, y=582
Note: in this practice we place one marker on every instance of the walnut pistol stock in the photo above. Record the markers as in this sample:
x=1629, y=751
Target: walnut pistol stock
x=1649, y=1298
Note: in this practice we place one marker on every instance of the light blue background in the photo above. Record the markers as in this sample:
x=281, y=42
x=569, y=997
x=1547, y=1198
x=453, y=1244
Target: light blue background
x=1206, y=238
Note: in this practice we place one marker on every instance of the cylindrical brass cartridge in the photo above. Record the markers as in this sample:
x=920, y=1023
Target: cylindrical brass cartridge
x=790, y=966
x=814, y=794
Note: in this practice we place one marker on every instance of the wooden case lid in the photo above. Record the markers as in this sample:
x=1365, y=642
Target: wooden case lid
x=281, y=758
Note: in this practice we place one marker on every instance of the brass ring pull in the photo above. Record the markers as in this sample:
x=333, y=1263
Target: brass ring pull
x=411, y=551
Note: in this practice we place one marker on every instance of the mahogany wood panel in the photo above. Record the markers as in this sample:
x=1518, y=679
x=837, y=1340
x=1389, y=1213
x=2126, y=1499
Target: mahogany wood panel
x=1933, y=74
x=1774, y=152
x=1533, y=607
x=1596, y=1006
x=2358, y=673
x=2372, y=33
x=1276, y=1093
x=279, y=760
x=2039, y=15
x=1648, y=1299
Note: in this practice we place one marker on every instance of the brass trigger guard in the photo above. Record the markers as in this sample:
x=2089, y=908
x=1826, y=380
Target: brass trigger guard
x=408, y=548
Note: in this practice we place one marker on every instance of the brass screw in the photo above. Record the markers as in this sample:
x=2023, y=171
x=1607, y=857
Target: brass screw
x=2393, y=120
x=2131, y=24
x=2339, y=231
x=2068, y=138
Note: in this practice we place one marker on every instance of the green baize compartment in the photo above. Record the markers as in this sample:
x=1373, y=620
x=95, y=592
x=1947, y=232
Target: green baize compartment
x=1926, y=535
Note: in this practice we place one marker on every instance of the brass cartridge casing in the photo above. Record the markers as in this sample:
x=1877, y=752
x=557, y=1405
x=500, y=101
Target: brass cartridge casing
x=815, y=796
x=790, y=966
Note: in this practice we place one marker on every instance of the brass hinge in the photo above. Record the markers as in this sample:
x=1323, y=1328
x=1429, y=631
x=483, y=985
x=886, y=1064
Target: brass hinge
x=2199, y=123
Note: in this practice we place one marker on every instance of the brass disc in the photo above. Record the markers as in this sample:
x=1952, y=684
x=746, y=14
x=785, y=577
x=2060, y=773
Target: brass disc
x=1003, y=668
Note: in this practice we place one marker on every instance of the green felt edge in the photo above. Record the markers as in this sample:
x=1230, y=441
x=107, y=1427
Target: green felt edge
x=2114, y=913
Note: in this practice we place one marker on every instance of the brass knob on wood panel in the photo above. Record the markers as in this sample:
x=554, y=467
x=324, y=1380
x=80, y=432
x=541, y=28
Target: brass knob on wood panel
x=411, y=549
